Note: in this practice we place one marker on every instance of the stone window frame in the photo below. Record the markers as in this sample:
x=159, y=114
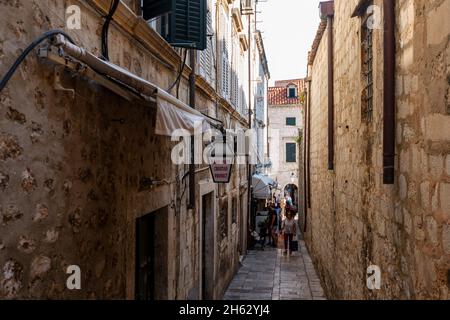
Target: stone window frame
x=288, y=91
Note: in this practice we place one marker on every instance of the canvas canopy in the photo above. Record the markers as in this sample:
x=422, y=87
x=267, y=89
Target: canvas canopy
x=262, y=186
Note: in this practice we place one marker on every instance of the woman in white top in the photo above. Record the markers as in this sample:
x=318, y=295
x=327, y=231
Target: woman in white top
x=289, y=230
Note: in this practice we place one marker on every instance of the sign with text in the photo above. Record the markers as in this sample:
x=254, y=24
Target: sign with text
x=221, y=172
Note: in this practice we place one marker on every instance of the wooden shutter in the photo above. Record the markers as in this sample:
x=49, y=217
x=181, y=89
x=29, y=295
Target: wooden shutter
x=291, y=152
x=225, y=61
x=206, y=56
x=291, y=122
x=234, y=72
x=187, y=21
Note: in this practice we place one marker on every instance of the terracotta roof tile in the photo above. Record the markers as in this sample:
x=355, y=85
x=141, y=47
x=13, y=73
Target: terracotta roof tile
x=277, y=95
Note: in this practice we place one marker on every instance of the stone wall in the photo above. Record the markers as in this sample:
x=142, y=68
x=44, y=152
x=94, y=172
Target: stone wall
x=355, y=221
x=70, y=168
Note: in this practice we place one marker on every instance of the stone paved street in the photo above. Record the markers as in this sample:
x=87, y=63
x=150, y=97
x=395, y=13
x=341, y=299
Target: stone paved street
x=268, y=275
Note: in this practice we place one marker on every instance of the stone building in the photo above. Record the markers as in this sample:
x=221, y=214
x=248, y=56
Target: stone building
x=86, y=181
x=285, y=121
x=262, y=77
x=378, y=148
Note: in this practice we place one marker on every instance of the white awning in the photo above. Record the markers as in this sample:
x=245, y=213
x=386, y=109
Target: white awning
x=262, y=186
x=172, y=113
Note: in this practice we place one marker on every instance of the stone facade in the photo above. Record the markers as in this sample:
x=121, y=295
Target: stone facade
x=354, y=220
x=71, y=168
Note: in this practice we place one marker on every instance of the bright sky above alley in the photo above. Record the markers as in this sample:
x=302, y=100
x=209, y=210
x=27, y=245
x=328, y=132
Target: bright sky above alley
x=289, y=28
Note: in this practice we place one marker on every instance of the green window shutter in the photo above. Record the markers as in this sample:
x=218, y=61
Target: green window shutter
x=188, y=24
x=187, y=21
x=291, y=122
x=291, y=152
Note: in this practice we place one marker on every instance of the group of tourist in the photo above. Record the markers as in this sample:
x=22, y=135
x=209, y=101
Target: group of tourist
x=281, y=223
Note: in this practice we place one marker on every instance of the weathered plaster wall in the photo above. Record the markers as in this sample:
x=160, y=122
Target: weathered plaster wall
x=356, y=221
x=70, y=169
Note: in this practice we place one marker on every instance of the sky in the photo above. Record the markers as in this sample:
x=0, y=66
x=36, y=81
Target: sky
x=289, y=28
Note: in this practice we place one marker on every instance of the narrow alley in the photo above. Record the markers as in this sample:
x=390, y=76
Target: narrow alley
x=220, y=150
x=270, y=275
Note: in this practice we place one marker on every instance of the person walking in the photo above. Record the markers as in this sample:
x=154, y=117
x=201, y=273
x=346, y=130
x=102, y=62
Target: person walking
x=273, y=226
x=289, y=229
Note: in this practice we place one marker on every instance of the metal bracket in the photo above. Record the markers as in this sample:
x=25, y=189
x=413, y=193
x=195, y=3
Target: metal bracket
x=57, y=85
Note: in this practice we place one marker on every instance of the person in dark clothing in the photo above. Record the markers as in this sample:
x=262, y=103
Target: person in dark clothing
x=273, y=227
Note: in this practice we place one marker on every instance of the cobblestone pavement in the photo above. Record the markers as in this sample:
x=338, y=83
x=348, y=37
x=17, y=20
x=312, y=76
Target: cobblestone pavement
x=269, y=275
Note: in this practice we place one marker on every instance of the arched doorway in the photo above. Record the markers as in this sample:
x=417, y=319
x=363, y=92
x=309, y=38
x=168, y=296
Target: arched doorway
x=292, y=191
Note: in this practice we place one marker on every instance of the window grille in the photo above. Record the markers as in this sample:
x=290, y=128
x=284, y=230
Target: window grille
x=367, y=68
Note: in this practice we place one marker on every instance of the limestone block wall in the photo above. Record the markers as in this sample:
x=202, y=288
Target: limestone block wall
x=356, y=221
x=70, y=168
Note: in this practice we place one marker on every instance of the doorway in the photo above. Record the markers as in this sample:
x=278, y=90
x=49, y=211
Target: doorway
x=151, y=256
x=208, y=246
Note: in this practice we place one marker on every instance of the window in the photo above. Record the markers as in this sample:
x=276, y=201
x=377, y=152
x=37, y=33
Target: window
x=367, y=68
x=206, y=65
x=186, y=23
x=291, y=122
x=292, y=91
x=247, y=6
x=234, y=71
x=291, y=152
x=225, y=46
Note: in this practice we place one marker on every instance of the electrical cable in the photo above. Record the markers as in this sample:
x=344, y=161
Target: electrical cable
x=24, y=54
x=105, y=29
x=180, y=73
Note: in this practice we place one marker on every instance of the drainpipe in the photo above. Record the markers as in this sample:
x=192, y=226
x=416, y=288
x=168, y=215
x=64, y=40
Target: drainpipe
x=330, y=94
x=389, y=93
x=192, y=88
x=309, y=144
x=306, y=156
x=327, y=13
x=249, y=118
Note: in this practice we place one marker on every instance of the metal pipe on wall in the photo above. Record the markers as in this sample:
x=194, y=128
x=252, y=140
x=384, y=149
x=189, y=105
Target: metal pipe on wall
x=389, y=122
x=308, y=168
x=306, y=156
x=192, y=87
x=249, y=215
x=330, y=93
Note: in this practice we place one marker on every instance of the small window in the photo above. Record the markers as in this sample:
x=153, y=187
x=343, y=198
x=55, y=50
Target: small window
x=292, y=91
x=291, y=153
x=291, y=122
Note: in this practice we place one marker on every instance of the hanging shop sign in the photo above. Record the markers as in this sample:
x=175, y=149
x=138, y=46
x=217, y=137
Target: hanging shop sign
x=221, y=160
x=221, y=172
